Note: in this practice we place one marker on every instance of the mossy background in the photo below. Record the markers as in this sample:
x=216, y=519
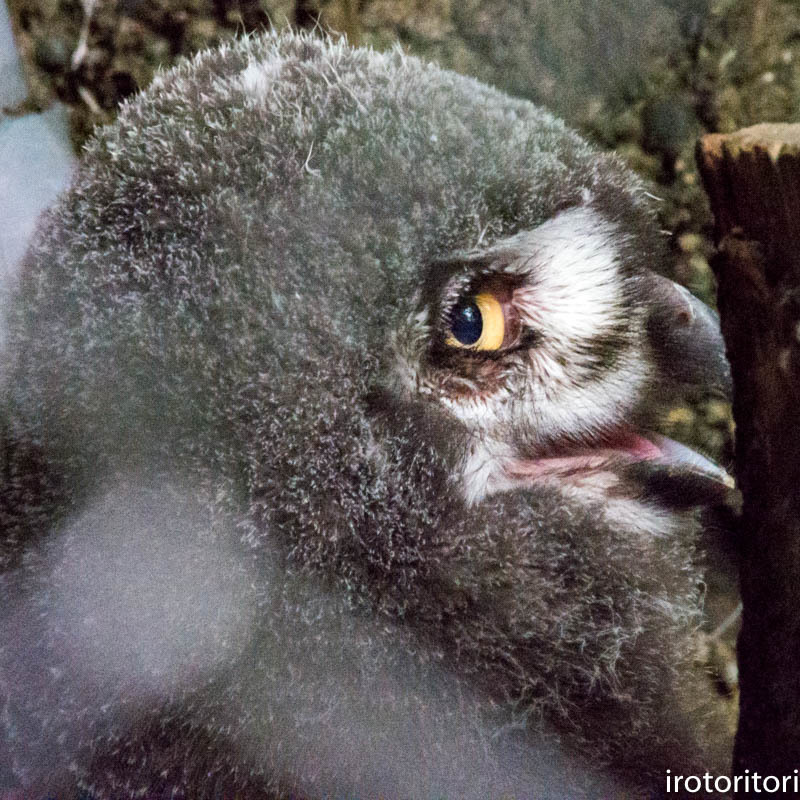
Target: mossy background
x=643, y=77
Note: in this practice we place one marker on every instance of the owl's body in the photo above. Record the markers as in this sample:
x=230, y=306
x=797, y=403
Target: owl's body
x=278, y=516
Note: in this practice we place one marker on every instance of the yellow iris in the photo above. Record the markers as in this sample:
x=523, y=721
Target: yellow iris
x=478, y=324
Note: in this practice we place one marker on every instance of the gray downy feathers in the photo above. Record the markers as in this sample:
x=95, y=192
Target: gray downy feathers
x=265, y=529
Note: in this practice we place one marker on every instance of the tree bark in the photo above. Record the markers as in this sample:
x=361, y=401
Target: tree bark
x=753, y=180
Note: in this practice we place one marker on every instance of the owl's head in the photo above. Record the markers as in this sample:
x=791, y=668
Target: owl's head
x=556, y=349
x=364, y=204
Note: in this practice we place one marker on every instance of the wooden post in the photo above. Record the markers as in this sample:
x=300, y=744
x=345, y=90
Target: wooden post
x=753, y=180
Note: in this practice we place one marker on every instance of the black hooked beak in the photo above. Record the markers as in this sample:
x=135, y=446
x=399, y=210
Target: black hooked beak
x=690, y=351
x=687, y=339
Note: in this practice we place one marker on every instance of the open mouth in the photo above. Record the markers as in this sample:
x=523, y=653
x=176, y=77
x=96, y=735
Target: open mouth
x=654, y=459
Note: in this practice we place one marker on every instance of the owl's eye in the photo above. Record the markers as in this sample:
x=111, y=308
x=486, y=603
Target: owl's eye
x=477, y=323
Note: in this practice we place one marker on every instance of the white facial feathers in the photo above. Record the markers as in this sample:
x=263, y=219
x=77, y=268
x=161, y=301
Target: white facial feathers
x=588, y=371
x=575, y=285
x=581, y=374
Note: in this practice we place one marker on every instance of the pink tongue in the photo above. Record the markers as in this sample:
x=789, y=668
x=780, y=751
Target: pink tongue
x=630, y=443
x=627, y=447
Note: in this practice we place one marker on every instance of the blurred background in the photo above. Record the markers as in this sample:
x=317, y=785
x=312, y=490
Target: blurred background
x=643, y=77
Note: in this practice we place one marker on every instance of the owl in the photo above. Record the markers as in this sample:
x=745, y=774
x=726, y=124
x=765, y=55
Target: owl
x=330, y=397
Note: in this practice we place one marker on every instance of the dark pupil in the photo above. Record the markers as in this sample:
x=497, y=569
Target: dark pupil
x=466, y=323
